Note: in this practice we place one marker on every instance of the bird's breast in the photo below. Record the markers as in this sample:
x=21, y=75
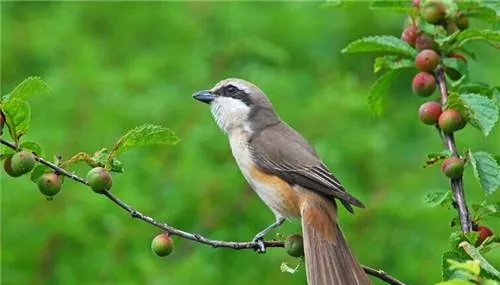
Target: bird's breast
x=276, y=193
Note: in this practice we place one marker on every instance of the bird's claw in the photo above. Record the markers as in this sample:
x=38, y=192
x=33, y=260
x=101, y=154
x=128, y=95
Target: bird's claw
x=260, y=241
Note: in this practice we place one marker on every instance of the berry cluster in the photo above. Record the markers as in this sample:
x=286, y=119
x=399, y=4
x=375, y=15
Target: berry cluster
x=50, y=183
x=427, y=60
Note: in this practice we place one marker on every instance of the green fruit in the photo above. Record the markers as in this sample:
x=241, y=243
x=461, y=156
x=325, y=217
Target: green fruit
x=162, y=245
x=99, y=179
x=49, y=184
x=427, y=60
x=462, y=22
x=453, y=167
x=433, y=12
x=20, y=163
x=429, y=112
x=451, y=121
x=294, y=245
x=425, y=41
x=484, y=233
x=424, y=84
x=409, y=35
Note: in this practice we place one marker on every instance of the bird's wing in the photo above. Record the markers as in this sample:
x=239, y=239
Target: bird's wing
x=281, y=151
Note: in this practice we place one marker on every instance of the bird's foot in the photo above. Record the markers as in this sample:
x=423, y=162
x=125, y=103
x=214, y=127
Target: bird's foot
x=259, y=239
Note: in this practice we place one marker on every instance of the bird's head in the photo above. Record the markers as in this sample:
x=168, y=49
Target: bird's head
x=233, y=101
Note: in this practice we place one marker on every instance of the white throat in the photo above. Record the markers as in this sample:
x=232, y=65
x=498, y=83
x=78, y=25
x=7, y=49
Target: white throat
x=230, y=114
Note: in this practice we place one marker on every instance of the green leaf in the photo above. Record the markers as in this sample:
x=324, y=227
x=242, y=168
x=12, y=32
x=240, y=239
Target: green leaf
x=471, y=266
x=480, y=9
x=379, y=89
x=387, y=44
x=490, y=36
x=434, y=199
x=142, y=136
x=38, y=171
x=476, y=87
x=472, y=237
x=486, y=170
x=33, y=147
x=103, y=158
x=476, y=255
x=456, y=282
x=17, y=116
x=447, y=272
x=28, y=87
x=285, y=268
x=392, y=62
x=405, y=7
x=435, y=157
x=480, y=111
x=456, y=64
x=5, y=151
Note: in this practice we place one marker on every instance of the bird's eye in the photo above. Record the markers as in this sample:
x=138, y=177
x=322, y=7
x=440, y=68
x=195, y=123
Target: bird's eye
x=231, y=89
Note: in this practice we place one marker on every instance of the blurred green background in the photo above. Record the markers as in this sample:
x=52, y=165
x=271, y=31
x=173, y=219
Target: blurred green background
x=113, y=66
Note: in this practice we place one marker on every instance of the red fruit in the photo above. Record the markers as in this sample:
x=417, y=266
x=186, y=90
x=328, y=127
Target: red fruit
x=424, y=84
x=453, y=167
x=484, y=233
x=162, y=245
x=427, y=60
x=451, y=121
x=429, y=112
x=409, y=35
x=462, y=22
x=433, y=11
x=99, y=179
x=425, y=41
x=49, y=184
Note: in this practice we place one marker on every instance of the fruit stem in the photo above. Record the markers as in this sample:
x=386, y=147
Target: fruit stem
x=456, y=184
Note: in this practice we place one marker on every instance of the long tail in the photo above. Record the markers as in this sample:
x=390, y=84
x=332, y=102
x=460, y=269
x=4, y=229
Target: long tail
x=329, y=260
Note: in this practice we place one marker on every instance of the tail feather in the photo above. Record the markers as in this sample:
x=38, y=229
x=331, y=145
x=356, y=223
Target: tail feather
x=329, y=260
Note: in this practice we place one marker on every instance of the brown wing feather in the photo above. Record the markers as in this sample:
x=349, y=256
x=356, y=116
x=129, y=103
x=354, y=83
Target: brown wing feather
x=281, y=151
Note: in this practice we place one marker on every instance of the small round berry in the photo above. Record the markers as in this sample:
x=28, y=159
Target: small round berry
x=484, y=233
x=409, y=35
x=453, y=167
x=433, y=11
x=99, y=179
x=427, y=60
x=462, y=22
x=429, y=112
x=21, y=163
x=49, y=184
x=425, y=41
x=424, y=84
x=451, y=121
x=294, y=245
x=162, y=245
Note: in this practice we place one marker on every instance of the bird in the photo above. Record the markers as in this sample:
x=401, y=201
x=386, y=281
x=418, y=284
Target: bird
x=289, y=177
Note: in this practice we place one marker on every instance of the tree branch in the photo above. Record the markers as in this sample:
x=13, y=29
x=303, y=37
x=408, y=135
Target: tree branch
x=456, y=184
x=187, y=235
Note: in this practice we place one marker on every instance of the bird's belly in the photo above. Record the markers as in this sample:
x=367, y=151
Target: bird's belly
x=276, y=193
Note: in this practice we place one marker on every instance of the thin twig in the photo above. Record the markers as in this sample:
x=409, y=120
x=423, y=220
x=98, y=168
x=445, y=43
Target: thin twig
x=456, y=184
x=187, y=235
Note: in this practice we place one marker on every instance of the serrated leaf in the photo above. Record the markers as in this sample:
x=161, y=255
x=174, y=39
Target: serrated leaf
x=387, y=44
x=480, y=111
x=17, y=116
x=405, y=7
x=438, y=32
x=392, y=62
x=379, y=89
x=28, y=87
x=434, y=199
x=490, y=36
x=476, y=255
x=476, y=87
x=33, y=147
x=486, y=170
x=456, y=64
x=142, y=136
x=38, y=171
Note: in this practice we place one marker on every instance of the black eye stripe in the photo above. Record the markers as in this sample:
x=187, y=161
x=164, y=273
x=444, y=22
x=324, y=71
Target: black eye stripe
x=231, y=89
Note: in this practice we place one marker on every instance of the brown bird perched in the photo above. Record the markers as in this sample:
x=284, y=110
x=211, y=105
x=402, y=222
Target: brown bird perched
x=287, y=174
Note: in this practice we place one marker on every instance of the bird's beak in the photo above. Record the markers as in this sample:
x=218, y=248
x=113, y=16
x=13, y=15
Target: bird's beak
x=204, y=96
